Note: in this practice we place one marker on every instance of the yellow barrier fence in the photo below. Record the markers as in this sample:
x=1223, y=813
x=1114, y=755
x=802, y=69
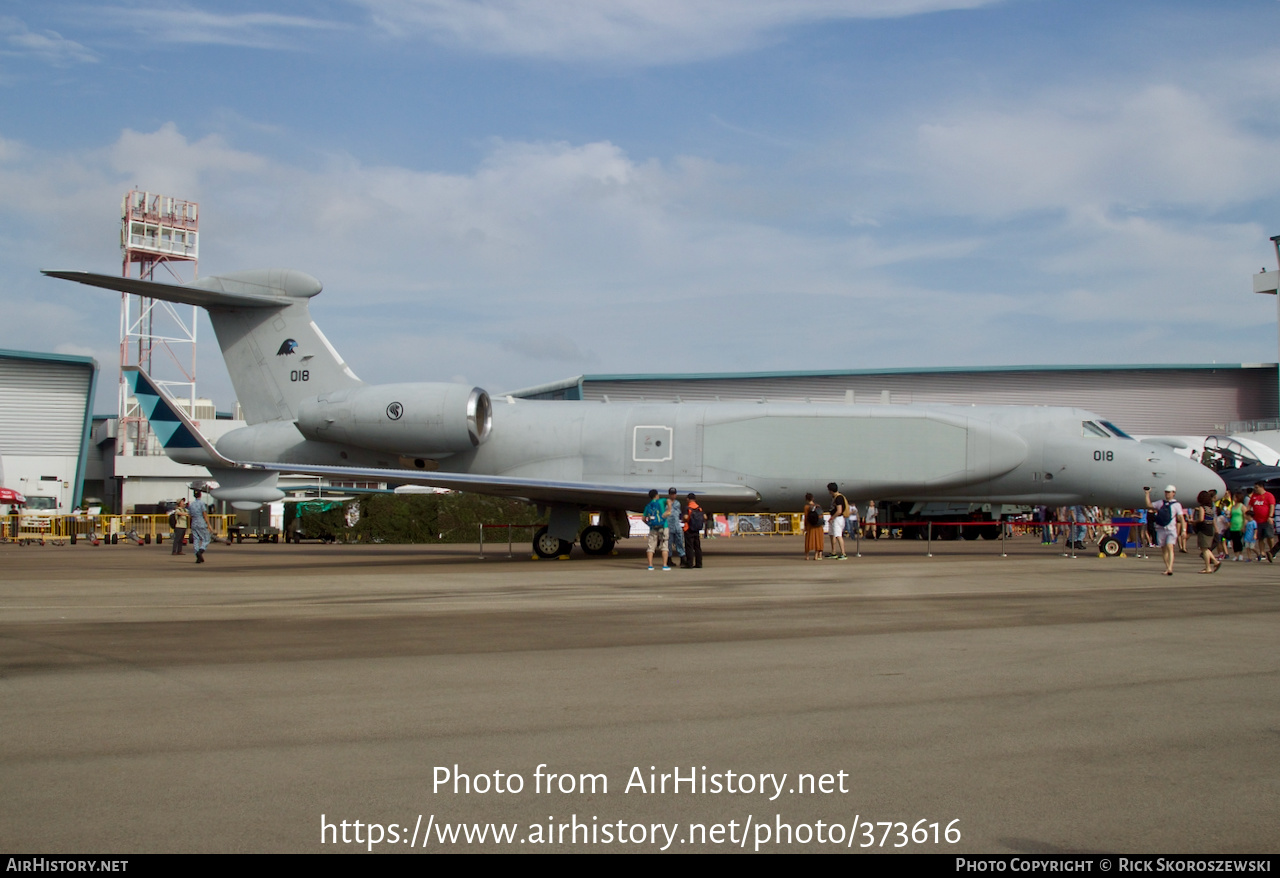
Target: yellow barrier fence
x=771, y=525
x=113, y=529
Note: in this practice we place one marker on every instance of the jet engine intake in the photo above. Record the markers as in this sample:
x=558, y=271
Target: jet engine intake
x=419, y=420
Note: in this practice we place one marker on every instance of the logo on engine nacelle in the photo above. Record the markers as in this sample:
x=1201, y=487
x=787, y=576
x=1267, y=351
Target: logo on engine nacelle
x=394, y=411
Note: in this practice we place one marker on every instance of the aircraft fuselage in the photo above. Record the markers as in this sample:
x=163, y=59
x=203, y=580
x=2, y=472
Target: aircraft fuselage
x=781, y=450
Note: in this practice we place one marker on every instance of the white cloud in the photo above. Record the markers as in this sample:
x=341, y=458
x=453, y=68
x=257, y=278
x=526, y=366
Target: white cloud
x=554, y=258
x=1157, y=146
x=627, y=31
x=183, y=23
x=614, y=31
x=47, y=46
x=166, y=161
x=552, y=348
x=10, y=150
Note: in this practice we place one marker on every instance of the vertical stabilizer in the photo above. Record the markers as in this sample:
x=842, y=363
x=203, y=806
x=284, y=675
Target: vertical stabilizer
x=277, y=356
x=275, y=353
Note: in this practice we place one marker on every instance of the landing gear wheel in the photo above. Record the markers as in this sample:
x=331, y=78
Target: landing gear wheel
x=547, y=546
x=596, y=540
x=1110, y=546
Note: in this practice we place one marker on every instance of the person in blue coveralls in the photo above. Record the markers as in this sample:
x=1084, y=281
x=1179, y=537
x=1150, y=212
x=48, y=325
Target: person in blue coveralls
x=199, y=526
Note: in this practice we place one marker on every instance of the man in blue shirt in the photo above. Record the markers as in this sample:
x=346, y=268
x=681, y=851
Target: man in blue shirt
x=655, y=515
x=199, y=527
x=675, y=527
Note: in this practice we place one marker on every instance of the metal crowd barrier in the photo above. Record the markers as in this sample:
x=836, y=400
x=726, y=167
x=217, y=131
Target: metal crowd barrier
x=508, y=528
x=791, y=524
x=148, y=529
x=1120, y=527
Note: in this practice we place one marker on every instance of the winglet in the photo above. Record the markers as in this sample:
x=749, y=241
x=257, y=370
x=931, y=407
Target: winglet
x=178, y=435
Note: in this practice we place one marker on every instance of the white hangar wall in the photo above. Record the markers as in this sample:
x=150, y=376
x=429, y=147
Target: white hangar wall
x=45, y=417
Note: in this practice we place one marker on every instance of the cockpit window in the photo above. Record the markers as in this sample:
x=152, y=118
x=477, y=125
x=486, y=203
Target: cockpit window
x=1223, y=453
x=1092, y=429
x=1114, y=429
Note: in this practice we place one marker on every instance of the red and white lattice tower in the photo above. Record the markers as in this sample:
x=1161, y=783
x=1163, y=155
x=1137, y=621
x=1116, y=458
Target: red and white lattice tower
x=156, y=231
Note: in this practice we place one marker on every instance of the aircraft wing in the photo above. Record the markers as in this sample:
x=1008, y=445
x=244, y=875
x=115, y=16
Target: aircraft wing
x=587, y=494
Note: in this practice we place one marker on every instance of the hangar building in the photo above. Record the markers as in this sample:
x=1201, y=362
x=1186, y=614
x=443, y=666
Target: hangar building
x=45, y=417
x=1144, y=399
x=46, y=449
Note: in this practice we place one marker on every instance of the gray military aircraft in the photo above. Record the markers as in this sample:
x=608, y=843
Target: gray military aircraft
x=307, y=412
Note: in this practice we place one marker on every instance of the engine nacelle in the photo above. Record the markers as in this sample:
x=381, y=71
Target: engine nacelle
x=421, y=420
x=246, y=489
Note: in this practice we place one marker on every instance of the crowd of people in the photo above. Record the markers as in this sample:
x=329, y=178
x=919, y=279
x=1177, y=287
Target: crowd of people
x=675, y=531
x=1238, y=527
x=843, y=520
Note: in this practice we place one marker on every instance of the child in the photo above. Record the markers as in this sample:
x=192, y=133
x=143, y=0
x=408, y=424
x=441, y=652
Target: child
x=1251, y=541
x=1220, y=525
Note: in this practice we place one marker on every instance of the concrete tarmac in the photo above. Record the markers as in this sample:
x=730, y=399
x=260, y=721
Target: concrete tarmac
x=1033, y=703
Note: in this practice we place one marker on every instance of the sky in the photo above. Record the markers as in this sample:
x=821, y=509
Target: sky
x=509, y=192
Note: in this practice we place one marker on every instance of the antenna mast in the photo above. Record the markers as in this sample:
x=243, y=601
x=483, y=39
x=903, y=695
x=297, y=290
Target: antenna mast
x=156, y=231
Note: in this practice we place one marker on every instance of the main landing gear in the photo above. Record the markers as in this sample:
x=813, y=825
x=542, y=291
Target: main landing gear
x=595, y=540
x=547, y=546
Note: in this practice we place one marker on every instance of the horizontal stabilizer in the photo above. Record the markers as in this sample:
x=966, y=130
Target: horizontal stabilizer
x=184, y=295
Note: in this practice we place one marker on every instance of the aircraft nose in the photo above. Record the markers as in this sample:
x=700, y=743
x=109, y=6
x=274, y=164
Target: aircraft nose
x=1191, y=478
